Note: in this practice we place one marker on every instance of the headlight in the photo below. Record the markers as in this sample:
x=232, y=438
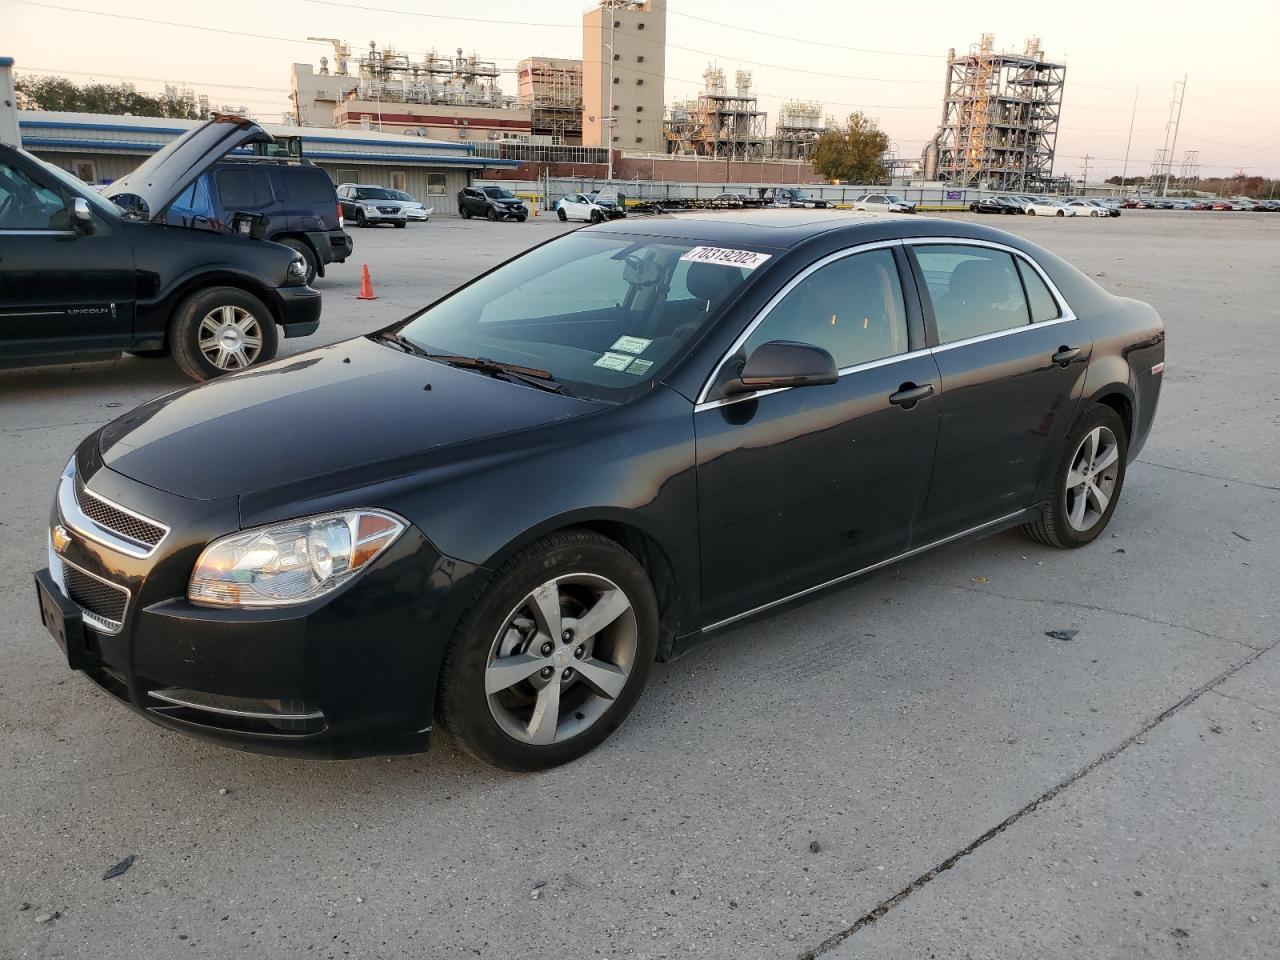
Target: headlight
x=298, y=269
x=292, y=562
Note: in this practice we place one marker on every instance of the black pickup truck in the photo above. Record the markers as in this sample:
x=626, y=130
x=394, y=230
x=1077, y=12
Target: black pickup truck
x=84, y=276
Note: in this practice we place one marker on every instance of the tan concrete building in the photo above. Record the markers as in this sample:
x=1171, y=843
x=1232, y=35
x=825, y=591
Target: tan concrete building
x=552, y=88
x=623, y=63
x=316, y=95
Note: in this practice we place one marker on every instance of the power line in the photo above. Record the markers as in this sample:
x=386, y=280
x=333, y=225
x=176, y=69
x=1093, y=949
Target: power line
x=183, y=82
x=156, y=22
x=445, y=16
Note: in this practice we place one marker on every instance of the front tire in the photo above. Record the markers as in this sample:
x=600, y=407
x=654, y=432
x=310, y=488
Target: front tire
x=552, y=655
x=1031, y=213
x=1061, y=213
x=1086, y=481
x=596, y=216
x=361, y=219
x=401, y=224
x=220, y=330
x=492, y=214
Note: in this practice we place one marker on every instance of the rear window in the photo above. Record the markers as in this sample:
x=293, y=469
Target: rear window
x=244, y=189
x=309, y=185
x=1043, y=305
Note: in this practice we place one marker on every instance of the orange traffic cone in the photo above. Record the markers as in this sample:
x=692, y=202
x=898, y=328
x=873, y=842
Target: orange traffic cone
x=366, y=285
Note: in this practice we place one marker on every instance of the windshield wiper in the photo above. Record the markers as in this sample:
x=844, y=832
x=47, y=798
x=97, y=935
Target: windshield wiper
x=530, y=376
x=402, y=344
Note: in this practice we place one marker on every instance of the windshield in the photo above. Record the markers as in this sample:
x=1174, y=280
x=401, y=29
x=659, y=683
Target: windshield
x=606, y=314
x=499, y=193
x=401, y=195
x=78, y=187
x=894, y=198
x=373, y=193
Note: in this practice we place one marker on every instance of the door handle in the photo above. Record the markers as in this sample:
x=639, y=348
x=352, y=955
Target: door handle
x=909, y=395
x=1065, y=355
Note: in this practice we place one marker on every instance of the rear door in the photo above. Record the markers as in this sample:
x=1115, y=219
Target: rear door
x=310, y=199
x=64, y=289
x=248, y=188
x=1012, y=357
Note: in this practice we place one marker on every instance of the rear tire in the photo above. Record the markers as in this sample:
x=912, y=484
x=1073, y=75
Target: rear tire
x=1092, y=465
x=513, y=658
x=464, y=213
x=220, y=330
x=1031, y=213
x=1061, y=213
x=309, y=255
x=562, y=216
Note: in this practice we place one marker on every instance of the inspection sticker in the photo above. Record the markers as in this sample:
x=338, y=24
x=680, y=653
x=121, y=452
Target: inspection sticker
x=631, y=344
x=614, y=361
x=747, y=259
x=638, y=366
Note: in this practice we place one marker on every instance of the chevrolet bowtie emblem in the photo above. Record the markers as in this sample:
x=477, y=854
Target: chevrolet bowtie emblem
x=60, y=538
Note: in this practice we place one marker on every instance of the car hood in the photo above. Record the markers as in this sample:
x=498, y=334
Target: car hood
x=170, y=171
x=506, y=201
x=330, y=410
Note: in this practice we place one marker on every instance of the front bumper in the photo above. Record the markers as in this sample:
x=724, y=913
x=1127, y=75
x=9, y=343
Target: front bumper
x=351, y=674
x=298, y=310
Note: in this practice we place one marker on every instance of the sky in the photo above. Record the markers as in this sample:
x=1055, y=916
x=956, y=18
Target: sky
x=850, y=55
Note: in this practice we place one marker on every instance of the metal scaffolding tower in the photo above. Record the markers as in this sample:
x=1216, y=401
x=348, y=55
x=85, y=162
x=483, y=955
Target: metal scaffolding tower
x=798, y=128
x=719, y=123
x=552, y=89
x=1000, y=117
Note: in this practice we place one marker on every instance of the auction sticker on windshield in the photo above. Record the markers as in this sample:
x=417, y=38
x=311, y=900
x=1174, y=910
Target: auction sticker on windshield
x=614, y=361
x=631, y=344
x=725, y=256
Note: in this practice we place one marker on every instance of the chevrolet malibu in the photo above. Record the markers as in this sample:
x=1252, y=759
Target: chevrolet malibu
x=499, y=512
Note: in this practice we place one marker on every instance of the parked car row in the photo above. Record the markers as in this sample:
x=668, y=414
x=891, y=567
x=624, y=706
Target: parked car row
x=1047, y=206
x=1183, y=203
x=369, y=204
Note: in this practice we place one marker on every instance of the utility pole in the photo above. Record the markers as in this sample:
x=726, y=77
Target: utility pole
x=1084, y=181
x=608, y=120
x=1132, y=116
x=1173, y=149
x=9, y=133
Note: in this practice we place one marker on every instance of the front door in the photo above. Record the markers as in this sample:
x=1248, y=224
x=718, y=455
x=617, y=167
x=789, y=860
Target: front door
x=66, y=288
x=805, y=485
x=1012, y=358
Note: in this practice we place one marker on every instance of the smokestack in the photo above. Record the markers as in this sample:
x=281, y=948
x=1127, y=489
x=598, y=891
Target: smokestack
x=8, y=105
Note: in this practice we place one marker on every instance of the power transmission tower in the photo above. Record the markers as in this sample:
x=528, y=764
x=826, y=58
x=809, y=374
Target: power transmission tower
x=1182, y=95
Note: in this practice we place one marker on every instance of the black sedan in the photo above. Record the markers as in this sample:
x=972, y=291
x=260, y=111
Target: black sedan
x=994, y=205
x=500, y=511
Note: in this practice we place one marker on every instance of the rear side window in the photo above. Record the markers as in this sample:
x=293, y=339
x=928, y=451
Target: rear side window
x=852, y=308
x=1043, y=306
x=307, y=185
x=244, y=189
x=974, y=290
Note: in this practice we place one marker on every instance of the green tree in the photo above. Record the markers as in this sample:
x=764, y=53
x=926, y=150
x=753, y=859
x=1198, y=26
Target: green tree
x=64, y=96
x=852, y=151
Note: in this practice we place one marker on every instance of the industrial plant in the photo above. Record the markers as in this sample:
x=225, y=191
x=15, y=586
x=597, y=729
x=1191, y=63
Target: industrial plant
x=1000, y=114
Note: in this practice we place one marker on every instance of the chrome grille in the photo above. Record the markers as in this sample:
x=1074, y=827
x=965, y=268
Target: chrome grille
x=115, y=520
x=105, y=601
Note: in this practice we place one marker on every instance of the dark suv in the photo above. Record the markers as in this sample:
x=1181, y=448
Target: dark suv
x=296, y=199
x=496, y=203
x=84, y=276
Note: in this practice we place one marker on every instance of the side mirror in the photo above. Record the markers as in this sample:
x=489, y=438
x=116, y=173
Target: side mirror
x=784, y=363
x=80, y=211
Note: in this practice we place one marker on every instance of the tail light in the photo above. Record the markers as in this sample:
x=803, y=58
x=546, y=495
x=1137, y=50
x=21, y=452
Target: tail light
x=341, y=223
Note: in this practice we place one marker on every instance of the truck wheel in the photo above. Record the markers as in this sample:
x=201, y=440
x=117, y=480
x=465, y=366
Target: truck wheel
x=309, y=255
x=220, y=330
x=553, y=654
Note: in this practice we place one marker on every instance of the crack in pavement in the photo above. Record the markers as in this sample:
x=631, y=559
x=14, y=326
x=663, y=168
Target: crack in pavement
x=929, y=876
x=1211, y=476
x=1244, y=700
x=983, y=591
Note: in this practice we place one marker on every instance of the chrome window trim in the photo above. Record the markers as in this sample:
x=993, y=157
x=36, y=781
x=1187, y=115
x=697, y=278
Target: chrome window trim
x=859, y=572
x=99, y=623
x=764, y=312
x=35, y=232
x=78, y=520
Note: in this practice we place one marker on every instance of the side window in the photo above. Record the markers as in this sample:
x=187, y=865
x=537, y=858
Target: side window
x=974, y=290
x=192, y=203
x=307, y=185
x=27, y=205
x=852, y=308
x=1043, y=305
x=244, y=189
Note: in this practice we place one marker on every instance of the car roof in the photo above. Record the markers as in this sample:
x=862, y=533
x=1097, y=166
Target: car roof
x=783, y=229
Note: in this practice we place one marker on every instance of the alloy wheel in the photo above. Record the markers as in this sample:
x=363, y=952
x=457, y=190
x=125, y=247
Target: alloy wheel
x=1091, y=481
x=561, y=658
x=230, y=337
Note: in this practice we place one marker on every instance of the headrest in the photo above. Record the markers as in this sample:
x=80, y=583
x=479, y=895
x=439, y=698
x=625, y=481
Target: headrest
x=710, y=281
x=979, y=280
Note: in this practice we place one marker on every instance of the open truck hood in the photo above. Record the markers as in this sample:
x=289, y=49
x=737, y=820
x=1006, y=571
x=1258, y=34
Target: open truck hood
x=163, y=177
